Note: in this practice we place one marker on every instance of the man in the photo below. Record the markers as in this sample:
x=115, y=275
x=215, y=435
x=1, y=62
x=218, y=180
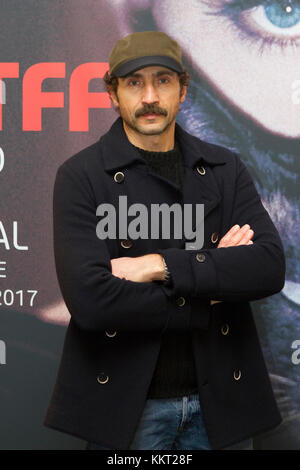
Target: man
x=161, y=351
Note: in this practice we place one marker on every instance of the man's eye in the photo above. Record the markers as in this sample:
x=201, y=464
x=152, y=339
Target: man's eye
x=268, y=22
x=134, y=83
x=163, y=80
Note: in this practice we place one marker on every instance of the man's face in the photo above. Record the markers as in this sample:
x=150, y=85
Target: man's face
x=149, y=99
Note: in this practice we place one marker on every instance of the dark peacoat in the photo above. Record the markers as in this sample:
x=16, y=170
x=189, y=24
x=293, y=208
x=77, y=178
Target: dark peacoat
x=113, y=339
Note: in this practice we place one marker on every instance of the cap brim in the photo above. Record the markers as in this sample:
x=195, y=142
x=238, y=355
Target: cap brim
x=146, y=61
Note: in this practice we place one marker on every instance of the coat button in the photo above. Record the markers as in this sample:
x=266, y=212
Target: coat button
x=200, y=257
x=102, y=378
x=119, y=177
x=180, y=301
x=225, y=329
x=201, y=170
x=237, y=374
x=214, y=237
x=111, y=334
x=126, y=243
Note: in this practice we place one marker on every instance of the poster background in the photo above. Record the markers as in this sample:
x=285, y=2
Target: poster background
x=76, y=32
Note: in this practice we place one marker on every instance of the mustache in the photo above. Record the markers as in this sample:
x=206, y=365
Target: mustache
x=150, y=109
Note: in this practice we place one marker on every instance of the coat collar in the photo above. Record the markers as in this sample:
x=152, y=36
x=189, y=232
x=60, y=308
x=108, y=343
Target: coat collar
x=118, y=152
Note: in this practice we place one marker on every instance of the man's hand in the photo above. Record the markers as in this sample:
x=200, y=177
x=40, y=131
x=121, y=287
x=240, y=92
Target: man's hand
x=150, y=267
x=237, y=236
x=145, y=268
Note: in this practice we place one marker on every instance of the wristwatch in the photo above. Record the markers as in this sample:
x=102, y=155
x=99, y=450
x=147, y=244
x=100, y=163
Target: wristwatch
x=167, y=276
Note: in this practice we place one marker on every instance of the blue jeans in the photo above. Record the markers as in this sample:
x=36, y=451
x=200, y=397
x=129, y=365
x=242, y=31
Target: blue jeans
x=172, y=424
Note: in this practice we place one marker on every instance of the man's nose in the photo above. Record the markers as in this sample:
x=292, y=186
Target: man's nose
x=150, y=94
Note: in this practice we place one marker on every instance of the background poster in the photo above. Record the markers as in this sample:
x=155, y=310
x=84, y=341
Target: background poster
x=243, y=58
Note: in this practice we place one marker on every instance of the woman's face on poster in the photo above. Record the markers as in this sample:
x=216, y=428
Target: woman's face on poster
x=248, y=50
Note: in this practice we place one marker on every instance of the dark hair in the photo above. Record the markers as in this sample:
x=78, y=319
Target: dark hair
x=111, y=82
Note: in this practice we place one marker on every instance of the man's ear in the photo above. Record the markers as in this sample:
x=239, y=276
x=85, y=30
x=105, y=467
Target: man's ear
x=183, y=93
x=114, y=97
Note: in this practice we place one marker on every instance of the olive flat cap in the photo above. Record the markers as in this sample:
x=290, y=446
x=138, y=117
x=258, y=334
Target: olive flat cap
x=143, y=49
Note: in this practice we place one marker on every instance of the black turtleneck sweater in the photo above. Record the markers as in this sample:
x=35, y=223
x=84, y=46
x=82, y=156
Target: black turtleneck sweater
x=174, y=375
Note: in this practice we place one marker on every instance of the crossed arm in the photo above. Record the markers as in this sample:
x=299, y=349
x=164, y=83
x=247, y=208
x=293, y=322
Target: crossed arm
x=101, y=293
x=150, y=267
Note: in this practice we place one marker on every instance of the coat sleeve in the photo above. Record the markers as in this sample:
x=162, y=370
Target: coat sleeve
x=95, y=298
x=239, y=273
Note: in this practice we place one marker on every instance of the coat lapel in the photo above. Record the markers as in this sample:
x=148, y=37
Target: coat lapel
x=199, y=187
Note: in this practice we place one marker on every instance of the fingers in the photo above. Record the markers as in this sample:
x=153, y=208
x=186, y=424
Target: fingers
x=237, y=236
x=246, y=237
x=226, y=240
